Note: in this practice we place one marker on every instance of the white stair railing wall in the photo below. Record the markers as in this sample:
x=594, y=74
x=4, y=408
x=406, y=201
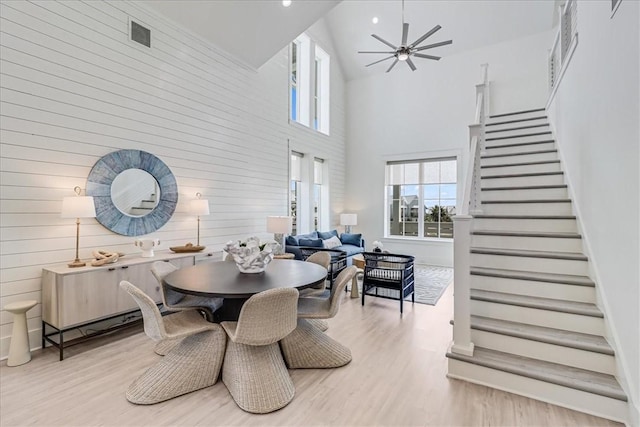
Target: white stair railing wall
x=564, y=44
x=462, y=222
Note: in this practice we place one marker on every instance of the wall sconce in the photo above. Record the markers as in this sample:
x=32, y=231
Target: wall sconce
x=279, y=226
x=348, y=220
x=199, y=207
x=78, y=207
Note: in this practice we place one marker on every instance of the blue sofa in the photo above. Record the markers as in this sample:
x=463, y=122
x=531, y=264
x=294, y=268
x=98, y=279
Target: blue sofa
x=351, y=243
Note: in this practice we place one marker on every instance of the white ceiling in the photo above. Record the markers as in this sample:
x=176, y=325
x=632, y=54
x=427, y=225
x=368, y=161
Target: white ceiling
x=255, y=30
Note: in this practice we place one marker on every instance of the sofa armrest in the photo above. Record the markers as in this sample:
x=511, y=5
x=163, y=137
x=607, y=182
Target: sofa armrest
x=294, y=250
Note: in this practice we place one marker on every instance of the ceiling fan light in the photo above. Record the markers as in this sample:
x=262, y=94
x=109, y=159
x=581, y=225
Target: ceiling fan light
x=403, y=56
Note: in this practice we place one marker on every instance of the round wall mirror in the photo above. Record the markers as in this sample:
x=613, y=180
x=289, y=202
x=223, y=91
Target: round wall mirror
x=135, y=193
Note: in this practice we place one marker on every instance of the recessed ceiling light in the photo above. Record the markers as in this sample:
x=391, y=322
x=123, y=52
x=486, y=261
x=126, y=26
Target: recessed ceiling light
x=286, y=3
x=375, y=20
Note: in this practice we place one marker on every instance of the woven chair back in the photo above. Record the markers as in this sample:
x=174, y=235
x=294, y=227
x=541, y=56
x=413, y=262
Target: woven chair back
x=153, y=325
x=340, y=283
x=320, y=258
x=267, y=317
x=160, y=270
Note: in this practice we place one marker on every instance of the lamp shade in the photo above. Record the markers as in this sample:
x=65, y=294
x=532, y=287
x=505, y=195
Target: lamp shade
x=348, y=219
x=200, y=207
x=279, y=224
x=78, y=207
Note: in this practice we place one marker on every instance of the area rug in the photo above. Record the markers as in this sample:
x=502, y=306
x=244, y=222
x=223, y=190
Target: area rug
x=430, y=284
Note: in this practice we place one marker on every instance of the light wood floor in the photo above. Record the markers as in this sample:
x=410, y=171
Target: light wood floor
x=397, y=378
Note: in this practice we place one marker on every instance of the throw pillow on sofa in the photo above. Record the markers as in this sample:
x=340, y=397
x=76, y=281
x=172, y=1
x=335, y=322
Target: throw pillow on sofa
x=332, y=242
x=313, y=243
x=351, y=239
x=324, y=235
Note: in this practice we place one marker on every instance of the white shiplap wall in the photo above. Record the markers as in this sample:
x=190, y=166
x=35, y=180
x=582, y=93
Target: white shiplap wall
x=74, y=88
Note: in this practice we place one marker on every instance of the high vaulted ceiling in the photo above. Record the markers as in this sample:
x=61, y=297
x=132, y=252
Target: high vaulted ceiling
x=255, y=30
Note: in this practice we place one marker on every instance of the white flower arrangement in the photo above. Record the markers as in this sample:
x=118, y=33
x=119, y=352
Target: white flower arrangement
x=377, y=246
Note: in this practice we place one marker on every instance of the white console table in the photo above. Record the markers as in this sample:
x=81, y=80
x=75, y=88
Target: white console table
x=75, y=297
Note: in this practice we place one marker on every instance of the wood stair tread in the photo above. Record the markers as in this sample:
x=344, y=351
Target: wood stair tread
x=525, y=187
x=577, y=340
x=506, y=122
x=521, y=175
x=541, y=162
x=518, y=128
x=562, y=306
x=530, y=254
x=514, y=113
x=554, y=373
x=550, y=234
x=524, y=135
x=568, y=279
x=524, y=153
x=518, y=144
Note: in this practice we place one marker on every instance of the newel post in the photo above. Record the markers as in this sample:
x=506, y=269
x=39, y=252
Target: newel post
x=462, y=286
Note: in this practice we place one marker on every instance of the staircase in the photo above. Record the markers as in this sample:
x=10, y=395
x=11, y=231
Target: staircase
x=534, y=323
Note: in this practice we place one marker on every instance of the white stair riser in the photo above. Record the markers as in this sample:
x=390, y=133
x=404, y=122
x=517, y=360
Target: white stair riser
x=521, y=116
x=589, y=403
x=497, y=149
x=526, y=194
x=523, y=158
x=532, y=288
x=549, y=244
x=578, y=358
x=491, y=139
x=504, y=170
x=520, y=263
x=148, y=204
x=556, y=208
x=519, y=132
x=539, y=317
x=516, y=124
x=557, y=179
x=560, y=225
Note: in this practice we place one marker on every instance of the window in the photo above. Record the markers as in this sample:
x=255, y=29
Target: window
x=318, y=166
x=309, y=84
x=421, y=198
x=295, y=188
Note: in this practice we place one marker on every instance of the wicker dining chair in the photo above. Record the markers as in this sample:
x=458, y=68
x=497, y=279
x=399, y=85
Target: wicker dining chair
x=253, y=371
x=323, y=259
x=194, y=363
x=309, y=347
x=338, y=260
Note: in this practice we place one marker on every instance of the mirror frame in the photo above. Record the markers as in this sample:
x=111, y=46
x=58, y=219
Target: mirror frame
x=99, y=186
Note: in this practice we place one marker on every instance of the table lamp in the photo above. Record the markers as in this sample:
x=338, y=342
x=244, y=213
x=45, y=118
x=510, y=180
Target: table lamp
x=78, y=207
x=348, y=220
x=279, y=226
x=199, y=207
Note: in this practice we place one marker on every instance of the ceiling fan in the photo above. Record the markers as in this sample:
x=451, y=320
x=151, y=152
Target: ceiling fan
x=405, y=51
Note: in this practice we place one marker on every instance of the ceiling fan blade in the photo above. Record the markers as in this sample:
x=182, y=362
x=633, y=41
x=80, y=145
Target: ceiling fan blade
x=392, y=65
x=421, y=55
x=429, y=46
x=405, y=33
x=371, y=51
x=411, y=65
x=384, y=41
x=388, y=57
x=424, y=37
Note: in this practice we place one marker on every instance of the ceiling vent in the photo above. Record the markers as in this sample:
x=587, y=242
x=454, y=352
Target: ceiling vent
x=140, y=34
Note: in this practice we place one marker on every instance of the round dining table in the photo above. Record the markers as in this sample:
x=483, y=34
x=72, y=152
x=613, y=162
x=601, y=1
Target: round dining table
x=222, y=279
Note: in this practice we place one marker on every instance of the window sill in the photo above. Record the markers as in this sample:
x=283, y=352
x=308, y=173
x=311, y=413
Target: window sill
x=417, y=239
x=302, y=126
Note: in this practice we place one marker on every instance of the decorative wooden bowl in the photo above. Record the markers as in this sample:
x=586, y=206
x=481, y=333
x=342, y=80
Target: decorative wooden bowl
x=189, y=247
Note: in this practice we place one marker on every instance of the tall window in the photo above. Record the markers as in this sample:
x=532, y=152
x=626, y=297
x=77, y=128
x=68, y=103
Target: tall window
x=318, y=166
x=295, y=188
x=421, y=198
x=309, y=84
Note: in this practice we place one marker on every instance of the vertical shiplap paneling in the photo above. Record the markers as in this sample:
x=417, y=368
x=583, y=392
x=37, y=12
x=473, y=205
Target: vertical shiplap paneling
x=74, y=88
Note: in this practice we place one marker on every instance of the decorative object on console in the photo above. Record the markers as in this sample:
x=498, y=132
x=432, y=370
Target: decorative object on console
x=199, y=207
x=348, y=220
x=251, y=256
x=135, y=192
x=104, y=257
x=377, y=246
x=147, y=245
x=279, y=226
x=189, y=247
x=78, y=207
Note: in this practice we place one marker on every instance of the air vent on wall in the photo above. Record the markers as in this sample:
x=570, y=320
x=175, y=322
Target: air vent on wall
x=140, y=34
